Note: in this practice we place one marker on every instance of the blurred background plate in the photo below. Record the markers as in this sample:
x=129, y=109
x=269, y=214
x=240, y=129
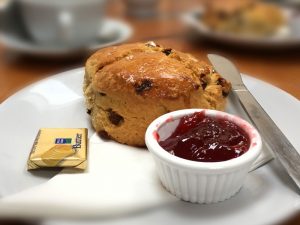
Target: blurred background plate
x=110, y=32
x=288, y=36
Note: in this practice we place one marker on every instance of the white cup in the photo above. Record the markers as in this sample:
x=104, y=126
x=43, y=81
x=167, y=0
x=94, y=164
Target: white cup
x=62, y=22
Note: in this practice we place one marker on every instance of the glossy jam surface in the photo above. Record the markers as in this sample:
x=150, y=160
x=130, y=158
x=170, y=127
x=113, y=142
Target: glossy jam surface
x=205, y=139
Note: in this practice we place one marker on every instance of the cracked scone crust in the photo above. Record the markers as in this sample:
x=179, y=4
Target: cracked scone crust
x=126, y=87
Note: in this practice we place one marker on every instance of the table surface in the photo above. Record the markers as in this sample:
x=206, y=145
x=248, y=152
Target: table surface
x=279, y=68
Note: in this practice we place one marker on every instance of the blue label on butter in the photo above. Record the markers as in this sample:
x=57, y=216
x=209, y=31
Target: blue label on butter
x=63, y=140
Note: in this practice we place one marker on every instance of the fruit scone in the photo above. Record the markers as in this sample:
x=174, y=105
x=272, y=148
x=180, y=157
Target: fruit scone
x=126, y=87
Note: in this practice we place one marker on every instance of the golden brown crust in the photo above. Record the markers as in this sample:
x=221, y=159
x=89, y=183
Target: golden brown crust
x=128, y=86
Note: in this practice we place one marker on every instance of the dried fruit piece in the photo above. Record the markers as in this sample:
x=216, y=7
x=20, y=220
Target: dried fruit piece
x=145, y=85
x=167, y=51
x=114, y=117
x=225, y=86
x=103, y=134
x=203, y=80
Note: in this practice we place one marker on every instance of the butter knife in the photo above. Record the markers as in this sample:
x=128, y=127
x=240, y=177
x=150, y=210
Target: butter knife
x=272, y=135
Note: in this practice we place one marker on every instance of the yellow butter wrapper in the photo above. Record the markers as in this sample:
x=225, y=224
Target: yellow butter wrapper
x=59, y=147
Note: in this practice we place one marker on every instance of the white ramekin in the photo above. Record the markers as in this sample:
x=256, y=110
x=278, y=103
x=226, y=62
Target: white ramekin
x=202, y=182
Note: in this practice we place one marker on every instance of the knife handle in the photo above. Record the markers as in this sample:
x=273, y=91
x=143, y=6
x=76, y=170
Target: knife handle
x=280, y=145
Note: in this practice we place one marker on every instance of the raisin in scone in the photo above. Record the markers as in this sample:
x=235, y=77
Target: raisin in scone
x=126, y=87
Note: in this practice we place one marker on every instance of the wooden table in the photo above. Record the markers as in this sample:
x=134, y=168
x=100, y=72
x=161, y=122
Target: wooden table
x=281, y=69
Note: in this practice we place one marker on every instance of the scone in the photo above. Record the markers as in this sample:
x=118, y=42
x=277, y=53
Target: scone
x=126, y=87
x=248, y=17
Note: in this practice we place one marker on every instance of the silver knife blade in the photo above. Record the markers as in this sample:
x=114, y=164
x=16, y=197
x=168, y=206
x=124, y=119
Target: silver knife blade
x=272, y=135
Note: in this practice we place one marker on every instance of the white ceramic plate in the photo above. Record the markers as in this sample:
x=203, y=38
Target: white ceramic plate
x=110, y=33
x=267, y=196
x=287, y=36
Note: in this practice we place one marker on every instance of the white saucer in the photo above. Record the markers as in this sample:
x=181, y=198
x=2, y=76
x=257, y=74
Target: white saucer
x=111, y=32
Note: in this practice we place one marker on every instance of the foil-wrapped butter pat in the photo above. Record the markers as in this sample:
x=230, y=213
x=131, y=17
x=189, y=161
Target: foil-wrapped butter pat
x=59, y=147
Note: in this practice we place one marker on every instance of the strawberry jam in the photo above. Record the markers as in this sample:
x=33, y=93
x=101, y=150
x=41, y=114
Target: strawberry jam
x=206, y=139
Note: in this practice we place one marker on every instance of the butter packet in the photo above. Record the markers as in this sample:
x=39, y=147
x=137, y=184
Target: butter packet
x=59, y=147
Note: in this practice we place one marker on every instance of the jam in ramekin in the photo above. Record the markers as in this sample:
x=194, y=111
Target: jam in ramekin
x=203, y=138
